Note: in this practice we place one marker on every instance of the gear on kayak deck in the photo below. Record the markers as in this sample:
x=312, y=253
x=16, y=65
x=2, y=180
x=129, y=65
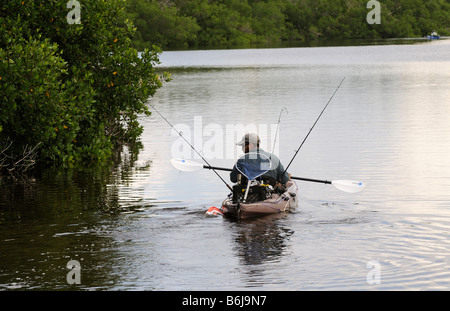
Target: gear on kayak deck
x=256, y=193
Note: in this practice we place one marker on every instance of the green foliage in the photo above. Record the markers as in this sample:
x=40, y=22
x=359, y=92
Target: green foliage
x=175, y=23
x=161, y=25
x=70, y=92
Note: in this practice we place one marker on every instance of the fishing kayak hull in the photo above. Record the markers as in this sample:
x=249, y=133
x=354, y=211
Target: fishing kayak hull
x=277, y=203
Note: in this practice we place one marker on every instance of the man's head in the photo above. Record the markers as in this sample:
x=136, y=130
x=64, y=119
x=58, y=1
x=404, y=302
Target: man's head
x=248, y=142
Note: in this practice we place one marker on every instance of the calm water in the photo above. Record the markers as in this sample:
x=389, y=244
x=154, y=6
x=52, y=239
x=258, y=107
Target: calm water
x=141, y=225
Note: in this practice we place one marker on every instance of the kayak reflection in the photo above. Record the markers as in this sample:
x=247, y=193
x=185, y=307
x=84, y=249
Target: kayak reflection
x=260, y=240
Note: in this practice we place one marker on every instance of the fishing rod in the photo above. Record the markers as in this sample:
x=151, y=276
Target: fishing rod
x=181, y=135
x=285, y=170
x=278, y=126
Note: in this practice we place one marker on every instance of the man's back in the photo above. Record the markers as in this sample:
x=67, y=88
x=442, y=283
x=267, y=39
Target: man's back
x=275, y=172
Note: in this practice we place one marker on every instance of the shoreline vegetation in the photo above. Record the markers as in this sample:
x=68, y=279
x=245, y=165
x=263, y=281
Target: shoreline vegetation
x=71, y=90
x=210, y=24
x=71, y=87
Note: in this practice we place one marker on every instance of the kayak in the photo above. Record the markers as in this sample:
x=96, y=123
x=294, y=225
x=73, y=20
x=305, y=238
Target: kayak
x=433, y=37
x=262, y=200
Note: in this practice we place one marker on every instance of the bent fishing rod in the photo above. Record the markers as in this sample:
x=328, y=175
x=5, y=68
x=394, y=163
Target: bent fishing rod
x=181, y=135
x=310, y=130
x=278, y=126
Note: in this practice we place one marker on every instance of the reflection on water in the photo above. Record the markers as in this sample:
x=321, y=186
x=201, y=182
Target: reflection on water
x=138, y=224
x=261, y=240
x=60, y=216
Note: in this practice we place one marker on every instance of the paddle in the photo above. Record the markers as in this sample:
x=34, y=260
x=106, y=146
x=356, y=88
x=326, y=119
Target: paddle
x=349, y=186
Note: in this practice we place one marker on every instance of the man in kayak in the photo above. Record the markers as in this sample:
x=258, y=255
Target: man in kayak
x=274, y=176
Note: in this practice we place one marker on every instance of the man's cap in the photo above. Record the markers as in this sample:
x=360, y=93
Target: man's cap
x=249, y=138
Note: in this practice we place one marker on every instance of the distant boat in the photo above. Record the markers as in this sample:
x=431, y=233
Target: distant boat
x=433, y=36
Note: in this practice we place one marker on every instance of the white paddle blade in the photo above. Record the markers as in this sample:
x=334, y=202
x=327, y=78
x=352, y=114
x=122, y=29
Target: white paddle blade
x=186, y=165
x=349, y=186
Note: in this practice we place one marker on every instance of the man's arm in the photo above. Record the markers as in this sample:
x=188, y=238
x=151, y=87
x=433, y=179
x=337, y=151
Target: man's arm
x=285, y=178
x=234, y=174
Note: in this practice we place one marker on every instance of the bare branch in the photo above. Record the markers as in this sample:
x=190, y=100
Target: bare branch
x=17, y=163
